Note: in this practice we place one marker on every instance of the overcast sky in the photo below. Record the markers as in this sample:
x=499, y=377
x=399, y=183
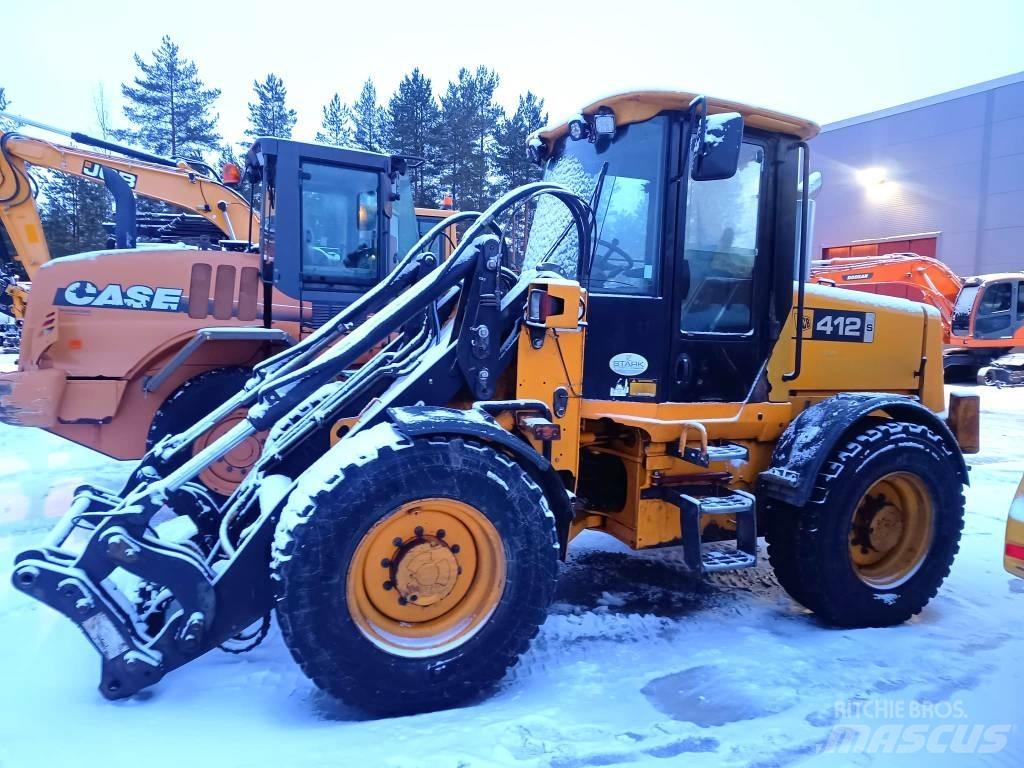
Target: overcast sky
x=821, y=59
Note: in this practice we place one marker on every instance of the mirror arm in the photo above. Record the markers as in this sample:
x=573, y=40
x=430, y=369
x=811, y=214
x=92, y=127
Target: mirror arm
x=805, y=197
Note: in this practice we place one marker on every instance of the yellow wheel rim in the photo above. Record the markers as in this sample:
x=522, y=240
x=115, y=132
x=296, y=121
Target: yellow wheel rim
x=891, y=530
x=425, y=578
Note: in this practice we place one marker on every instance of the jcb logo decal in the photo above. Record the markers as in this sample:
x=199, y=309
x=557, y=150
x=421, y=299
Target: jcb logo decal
x=95, y=171
x=82, y=293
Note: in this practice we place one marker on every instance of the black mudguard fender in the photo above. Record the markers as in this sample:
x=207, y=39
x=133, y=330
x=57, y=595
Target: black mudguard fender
x=418, y=421
x=810, y=438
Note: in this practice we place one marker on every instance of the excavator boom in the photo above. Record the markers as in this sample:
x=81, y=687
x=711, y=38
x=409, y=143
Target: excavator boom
x=177, y=184
x=905, y=275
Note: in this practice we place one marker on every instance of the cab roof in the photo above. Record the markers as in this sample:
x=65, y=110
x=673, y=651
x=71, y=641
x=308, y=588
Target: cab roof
x=637, y=106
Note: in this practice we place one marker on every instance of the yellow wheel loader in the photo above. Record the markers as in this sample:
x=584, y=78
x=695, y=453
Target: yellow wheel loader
x=659, y=371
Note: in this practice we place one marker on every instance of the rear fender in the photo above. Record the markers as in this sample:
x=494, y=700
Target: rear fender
x=810, y=438
x=427, y=421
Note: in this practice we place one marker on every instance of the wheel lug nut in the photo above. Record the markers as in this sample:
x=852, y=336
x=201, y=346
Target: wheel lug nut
x=455, y=549
x=397, y=541
x=402, y=601
x=414, y=598
x=440, y=533
x=389, y=585
x=419, y=531
x=385, y=563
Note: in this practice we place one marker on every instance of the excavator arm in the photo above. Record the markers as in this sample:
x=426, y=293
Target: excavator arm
x=179, y=185
x=925, y=279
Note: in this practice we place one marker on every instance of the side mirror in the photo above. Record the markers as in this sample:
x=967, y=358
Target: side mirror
x=717, y=152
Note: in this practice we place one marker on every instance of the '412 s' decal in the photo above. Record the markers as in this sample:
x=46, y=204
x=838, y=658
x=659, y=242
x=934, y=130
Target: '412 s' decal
x=841, y=325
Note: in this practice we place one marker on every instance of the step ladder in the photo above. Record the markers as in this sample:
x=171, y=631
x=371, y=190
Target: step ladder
x=697, y=503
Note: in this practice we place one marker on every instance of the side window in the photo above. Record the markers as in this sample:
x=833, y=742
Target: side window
x=996, y=298
x=1020, y=300
x=339, y=225
x=994, y=310
x=720, y=249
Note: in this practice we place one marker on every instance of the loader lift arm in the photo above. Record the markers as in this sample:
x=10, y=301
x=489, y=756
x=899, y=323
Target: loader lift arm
x=190, y=606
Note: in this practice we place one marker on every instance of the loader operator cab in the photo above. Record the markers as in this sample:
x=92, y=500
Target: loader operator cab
x=353, y=217
x=688, y=255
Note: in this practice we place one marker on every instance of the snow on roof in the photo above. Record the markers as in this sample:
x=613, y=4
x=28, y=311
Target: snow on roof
x=637, y=106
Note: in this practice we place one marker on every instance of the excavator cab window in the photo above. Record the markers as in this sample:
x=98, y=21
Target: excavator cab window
x=339, y=225
x=994, y=320
x=961, y=325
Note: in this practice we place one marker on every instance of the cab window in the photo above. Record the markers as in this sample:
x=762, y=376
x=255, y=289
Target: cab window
x=628, y=212
x=720, y=249
x=994, y=310
x=339, y=225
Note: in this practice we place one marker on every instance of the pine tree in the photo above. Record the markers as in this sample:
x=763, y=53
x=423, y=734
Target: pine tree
x=169, y=106
x=269, y=115
x=413, y=119
x=73, y=212
x=369, y=119
x=512, y=166
x=336, y=124
x=468, y=117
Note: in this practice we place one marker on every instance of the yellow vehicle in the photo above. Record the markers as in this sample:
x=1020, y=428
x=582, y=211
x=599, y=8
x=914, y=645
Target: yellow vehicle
x=659, y=372
x=1013, y=558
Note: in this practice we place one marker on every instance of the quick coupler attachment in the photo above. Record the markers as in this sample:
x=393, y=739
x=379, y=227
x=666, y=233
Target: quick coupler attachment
x=127, y=666
x=145, y=604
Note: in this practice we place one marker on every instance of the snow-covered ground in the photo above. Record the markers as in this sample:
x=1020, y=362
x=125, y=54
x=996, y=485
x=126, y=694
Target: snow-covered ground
x=637, y=664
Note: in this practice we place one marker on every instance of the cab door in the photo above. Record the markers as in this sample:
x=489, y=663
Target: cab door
x=723, y=265
x=629, y=287
x=343, y=246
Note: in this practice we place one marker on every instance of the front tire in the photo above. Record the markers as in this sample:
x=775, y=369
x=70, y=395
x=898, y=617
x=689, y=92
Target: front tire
x=413, y=573
x=878, y=537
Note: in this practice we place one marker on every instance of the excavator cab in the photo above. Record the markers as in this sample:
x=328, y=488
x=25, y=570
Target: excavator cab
x=342, y=233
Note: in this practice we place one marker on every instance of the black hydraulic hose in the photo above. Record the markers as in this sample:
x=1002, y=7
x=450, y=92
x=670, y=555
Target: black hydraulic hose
x=15, y=197
x=403, y=275
x=137, y=154
x=805, y=170
x=285, y=390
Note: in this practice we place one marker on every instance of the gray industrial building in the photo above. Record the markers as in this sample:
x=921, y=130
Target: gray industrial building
x=942, y=176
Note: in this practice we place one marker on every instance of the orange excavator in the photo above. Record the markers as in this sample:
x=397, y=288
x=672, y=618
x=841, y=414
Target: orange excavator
x=982, y=316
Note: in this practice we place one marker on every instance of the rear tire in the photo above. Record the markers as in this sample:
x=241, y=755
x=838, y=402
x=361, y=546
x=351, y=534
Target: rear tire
x=878, y=537
x=359, y=498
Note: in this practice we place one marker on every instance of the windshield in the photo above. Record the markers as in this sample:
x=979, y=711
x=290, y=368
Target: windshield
x=339, y=224
x=962, y=310
x=628, y=213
